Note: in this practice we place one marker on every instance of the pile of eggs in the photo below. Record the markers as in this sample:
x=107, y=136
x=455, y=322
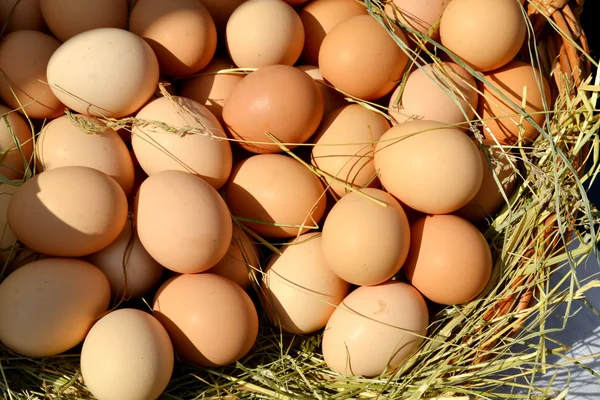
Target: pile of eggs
x=250, y=154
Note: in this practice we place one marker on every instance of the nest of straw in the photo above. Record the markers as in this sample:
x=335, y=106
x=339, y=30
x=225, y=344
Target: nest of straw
x=471, y=350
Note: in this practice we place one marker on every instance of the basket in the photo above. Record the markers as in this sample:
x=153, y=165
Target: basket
x=469, y=348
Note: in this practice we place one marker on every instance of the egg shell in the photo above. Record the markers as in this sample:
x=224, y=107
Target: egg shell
x=319, y=17
x=221, y=10
x=359, y=57
x=68, y=211
x=210, y=88
x=16, y=156
x=375, y=329
x=8, y=240
x=105, y=72
x=278, y=99
x=332, y=99
x=182, y=221
x=264, y=32
x=210, y=319
x=446, y=94
x=63, y=143
x=366, y=243
x=502, y=119
x=431, y=168
x=449, y=260
x=345, y=146
x=127, y=355
x=182, y=33
x=299, y=289
x=485, y=34
x=130, y=270
x=275, y=189
x=24, y=56
x=53, y=303
x=67, y=18
x=203, y=152
x=241, y=263
x=422, y=16
x=26, y=15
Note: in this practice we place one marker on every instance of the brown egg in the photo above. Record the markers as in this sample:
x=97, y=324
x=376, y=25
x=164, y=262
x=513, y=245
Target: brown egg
x=345, y=146
x=319, y=17
x=332, y=99
x=53, y=304
x=204, y=152
x=446, y=94
x=299, y=288
x=279, y=193
x=280, y=100
x=24, y=56
x=494, y=35
x=366, y=243
x=68, y=211
x=21, y=15
x=130, y=270
x=8, y=240
x=16, y=155
x=182, y=221
x=212, y=89
x=359, y=57
x=422, y=16
x=241, y=263
x=210, y=319
x=502, y=119
x=221, y=10
x=62, y=143
x=489, y=199
x=449, y=260
x=431, y=168
x=375, y=329
x=264, y=32
x=67, y=18
x=182, y=33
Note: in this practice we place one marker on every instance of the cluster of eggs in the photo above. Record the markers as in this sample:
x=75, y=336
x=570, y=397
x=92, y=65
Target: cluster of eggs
x=135, y=188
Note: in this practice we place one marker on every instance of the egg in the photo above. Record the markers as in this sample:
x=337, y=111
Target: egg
x=182, y=221
x=67, y=18
x=203, y=152
x=275, y=195
x=210, y=88
x=8, y=240
x=366, y=243
x=375, y=329
x=429, y=167
x=210, y=319
x=130, y=270
x=15, y=155
x=332, y=99
x=127, y=355
x=490, y=198
x=502, y=121
x=106, y=72
x=264, y=32
x=16, y=15
x=359, y=57
x=319, y=17
x=24, y=56
x=422, y=16
x=53, y=303
x=241, y=262
x=446, y=93
x=493, y=37
x=221, y=10
x=182, y=33
x=68, y=211
x=280, y=100
x=87, y=143
x=299, y=289
x=449, y=261
x=345, y=146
